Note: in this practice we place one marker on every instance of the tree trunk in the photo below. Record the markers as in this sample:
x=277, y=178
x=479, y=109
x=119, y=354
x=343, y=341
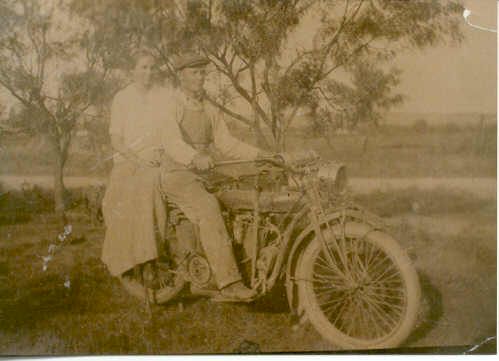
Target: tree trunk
x=59, y=188
x=280, y=144
x=60, y=146
x=279, y=134
x=261, y=140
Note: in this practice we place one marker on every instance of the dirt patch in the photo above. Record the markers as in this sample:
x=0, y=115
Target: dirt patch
x=456, y=256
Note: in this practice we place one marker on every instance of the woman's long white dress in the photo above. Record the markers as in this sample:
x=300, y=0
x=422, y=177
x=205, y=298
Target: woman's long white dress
x=132, y=207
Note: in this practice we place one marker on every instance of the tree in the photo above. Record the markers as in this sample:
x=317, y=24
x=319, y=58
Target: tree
x=3, y=127
x=48, y=66
x=250, y=44
x=365, y=100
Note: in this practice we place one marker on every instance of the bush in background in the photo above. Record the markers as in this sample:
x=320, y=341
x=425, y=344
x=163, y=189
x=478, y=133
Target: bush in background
x=420, y=126
x=20, y=205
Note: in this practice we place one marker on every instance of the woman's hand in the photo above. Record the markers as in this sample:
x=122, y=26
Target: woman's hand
x=202, y=161
x=127, y=153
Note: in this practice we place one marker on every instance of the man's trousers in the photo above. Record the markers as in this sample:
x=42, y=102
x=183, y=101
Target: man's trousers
x=185, y=189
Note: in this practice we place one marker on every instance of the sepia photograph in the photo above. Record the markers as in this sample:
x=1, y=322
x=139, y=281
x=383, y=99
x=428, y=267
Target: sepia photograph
x=200, y=177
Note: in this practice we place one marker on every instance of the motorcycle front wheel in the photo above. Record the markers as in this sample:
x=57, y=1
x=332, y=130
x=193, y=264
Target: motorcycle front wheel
x=363, y=293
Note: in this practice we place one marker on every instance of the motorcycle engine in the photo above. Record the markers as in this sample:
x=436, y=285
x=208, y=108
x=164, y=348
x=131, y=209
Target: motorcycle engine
x=199, y=270
x=266, y=260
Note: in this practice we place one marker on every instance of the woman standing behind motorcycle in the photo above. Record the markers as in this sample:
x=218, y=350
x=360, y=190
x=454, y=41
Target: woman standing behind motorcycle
x=129, y=203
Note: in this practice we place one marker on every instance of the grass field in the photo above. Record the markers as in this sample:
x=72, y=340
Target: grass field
x=390, y=151
x=409, y=151
x=450, y=236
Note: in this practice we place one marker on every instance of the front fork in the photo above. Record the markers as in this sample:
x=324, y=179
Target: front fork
x=333, y=245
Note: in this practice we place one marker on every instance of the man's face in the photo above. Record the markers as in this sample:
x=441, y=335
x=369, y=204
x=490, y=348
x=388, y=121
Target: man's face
x=143, y=70
x=192, y=79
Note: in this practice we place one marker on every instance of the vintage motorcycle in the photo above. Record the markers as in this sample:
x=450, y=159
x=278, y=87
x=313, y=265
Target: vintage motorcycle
x=291, y=221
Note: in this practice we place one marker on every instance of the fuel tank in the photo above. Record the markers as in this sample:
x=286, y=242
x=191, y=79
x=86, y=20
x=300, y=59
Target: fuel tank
x=268, y=201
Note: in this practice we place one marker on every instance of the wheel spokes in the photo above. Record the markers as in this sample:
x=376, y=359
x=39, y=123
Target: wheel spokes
x=365, y=296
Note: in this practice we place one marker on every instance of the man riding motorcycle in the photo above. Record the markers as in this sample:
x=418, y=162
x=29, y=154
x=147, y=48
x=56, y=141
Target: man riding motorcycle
x=194, y=136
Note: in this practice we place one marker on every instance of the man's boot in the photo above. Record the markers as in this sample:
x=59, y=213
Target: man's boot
x=236, y=292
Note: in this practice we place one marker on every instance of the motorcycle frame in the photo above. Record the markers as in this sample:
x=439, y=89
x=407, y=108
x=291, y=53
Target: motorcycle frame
x=293, y=243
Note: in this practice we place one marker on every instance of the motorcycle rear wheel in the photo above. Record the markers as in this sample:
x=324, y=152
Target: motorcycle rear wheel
x=368, y=298
x=160, y=296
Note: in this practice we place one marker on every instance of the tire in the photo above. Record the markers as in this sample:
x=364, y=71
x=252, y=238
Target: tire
x=358, y=307
x=159, y=296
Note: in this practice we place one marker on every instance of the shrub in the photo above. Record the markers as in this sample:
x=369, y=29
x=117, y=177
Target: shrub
x=19, y=205
x=420, y=125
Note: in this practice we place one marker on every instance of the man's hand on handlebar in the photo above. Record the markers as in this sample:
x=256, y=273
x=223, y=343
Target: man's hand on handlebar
x=270, y=157
x=154, y=163
x=202, y=162
x=263, y=154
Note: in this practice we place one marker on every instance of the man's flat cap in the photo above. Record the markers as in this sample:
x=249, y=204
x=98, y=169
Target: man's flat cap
x=189, y=60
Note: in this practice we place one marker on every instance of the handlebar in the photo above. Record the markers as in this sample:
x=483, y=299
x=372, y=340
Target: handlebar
x=276, y=160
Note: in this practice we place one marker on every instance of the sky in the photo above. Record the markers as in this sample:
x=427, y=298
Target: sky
x=455, y=79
